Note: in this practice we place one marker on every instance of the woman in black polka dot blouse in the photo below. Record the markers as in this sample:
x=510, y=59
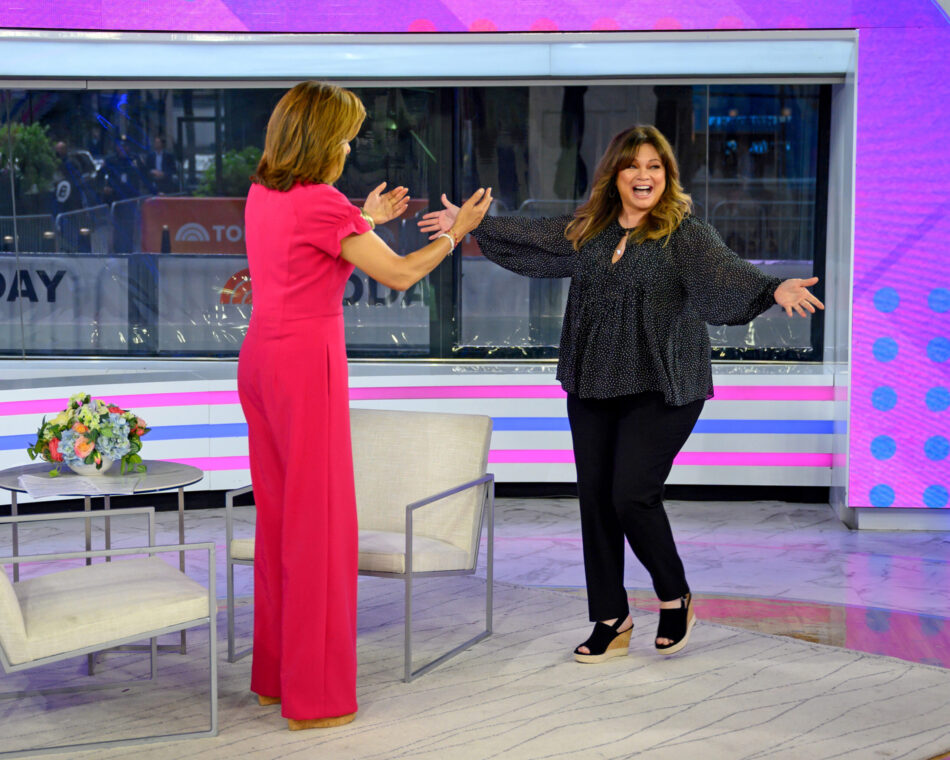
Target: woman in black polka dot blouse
x=646, y=277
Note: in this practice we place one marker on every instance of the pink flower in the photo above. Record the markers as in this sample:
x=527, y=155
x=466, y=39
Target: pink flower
x=54, y=450
x=80, y=428
x=83, y=447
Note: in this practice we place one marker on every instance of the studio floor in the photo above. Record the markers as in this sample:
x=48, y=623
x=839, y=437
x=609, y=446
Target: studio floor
x=775, y=567
x=768, y=567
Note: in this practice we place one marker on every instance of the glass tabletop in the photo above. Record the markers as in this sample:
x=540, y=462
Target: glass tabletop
x=158, y=476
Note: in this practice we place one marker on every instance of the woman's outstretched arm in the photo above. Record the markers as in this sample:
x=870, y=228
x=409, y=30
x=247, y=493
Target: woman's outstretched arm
x=526, y=246
x=383, y=264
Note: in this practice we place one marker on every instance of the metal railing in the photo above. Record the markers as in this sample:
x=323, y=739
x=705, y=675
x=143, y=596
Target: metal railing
x=36, y=233
x=767, y=229
x=85, y=230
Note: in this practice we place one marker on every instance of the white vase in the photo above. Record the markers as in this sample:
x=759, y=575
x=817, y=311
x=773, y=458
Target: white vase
x=90, y=469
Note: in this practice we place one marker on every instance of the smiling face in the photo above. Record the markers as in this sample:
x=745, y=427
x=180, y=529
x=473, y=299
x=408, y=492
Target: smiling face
x=641, y=184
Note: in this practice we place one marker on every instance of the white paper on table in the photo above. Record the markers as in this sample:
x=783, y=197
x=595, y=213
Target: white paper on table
x=43, y=486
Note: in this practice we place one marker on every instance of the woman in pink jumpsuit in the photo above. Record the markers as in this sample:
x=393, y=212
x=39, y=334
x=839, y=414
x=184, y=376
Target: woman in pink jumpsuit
x=303, y=239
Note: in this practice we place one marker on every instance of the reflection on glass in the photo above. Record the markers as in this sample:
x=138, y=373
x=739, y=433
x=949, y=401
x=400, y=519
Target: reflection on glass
x=748, y=157
x=121, y=211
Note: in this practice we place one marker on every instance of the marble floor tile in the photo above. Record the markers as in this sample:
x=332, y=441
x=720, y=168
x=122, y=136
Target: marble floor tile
x=765, y=565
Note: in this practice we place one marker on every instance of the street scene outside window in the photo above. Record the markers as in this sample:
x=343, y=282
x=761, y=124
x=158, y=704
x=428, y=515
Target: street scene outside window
x=122, y=211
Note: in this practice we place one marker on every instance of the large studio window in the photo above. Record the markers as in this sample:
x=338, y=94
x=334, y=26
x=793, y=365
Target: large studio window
x=748, y=156
x=121, y=211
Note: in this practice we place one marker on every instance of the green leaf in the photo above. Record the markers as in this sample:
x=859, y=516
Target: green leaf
x=237, y=166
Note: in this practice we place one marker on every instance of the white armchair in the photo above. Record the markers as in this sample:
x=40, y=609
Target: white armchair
x=422, y=496
x=92, y=608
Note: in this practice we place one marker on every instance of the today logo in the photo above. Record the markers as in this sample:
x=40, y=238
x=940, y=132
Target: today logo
x=193, y=232
x=198, y=233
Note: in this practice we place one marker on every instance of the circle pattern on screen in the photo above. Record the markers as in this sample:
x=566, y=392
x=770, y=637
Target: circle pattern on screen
x=927, y=443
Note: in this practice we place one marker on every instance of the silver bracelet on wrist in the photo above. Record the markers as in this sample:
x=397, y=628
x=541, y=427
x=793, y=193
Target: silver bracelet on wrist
x=451, y=240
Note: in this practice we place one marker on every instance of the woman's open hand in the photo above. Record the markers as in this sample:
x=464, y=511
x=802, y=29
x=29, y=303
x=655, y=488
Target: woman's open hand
x=470, y=215
x=383, y=208
x=794, y=294
x=437, y=222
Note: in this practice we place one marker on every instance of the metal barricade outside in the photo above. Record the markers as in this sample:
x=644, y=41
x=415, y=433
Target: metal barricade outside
x=36, y=233
x=766, y=229
x=86, y=230
x=127, y=224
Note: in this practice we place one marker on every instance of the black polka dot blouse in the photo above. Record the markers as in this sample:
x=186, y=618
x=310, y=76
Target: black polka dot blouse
x=640, y=324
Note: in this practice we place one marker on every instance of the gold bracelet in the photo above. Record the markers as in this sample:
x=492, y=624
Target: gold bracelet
x=369, y=219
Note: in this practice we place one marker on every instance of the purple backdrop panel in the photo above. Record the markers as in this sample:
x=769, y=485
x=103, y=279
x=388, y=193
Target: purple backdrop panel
x=899, y=443
x=462, y=15
x=901, y=338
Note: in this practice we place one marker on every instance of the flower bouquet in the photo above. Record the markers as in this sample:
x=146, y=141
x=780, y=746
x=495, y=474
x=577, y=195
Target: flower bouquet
x=89, y=435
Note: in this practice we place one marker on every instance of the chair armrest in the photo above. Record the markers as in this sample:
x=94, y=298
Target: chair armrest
x=429, y=500
x=229, y=495
x=410, y=508
x=92, y=554
x=229, y=511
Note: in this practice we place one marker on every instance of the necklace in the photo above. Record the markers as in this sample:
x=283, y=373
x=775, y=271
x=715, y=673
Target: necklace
x=621, y=247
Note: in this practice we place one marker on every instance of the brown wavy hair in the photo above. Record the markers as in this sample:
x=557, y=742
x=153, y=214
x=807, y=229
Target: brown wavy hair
x=604, y=204
x=306, y=135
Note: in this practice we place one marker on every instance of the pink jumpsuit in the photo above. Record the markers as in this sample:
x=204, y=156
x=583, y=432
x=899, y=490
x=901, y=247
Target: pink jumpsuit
x=292, y=381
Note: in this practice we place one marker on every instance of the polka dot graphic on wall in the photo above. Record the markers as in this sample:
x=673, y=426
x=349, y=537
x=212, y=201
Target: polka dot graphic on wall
x=881, y=496
x=938, y=349
x=884, y=398
x=883, y=447
x=886, y=300
x=937, y=399
x=884, y=349
x=935, y=496
x=936, y=448
x=939, y=300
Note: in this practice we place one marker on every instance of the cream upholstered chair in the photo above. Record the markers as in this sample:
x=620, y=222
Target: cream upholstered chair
x=238, y=551
x=83, y=610
x=422, y=495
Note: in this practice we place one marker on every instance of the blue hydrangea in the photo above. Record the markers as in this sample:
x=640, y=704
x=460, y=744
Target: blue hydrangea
x=113, y=447
x=113, y=440
x=114, y=444
x=66, y=444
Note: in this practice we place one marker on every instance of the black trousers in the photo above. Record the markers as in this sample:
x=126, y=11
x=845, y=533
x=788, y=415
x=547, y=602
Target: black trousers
x=624, y=449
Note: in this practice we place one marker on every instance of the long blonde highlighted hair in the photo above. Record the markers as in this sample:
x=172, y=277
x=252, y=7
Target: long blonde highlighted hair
x=307, y=134
x=604, y=204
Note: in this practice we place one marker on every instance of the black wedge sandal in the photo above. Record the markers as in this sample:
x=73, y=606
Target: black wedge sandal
x=605, y=642
x=675, y=625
